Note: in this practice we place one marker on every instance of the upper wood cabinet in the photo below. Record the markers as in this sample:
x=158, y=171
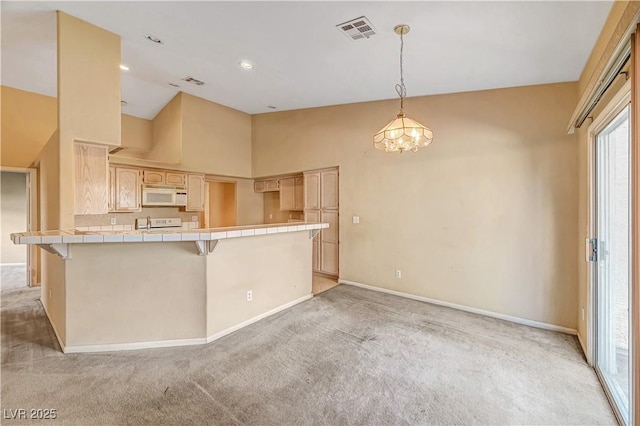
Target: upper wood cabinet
x=176, y=179
x=195, y=192
x=312, y=190
x=128, y=187
x=112, y=188
x=266, y=185
x=154, y=177
x=91, y=179
x=329, y=189
x=287, y=193
x=299, y=196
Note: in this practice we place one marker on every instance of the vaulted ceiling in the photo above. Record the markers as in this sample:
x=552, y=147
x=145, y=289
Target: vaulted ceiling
x=300, y=58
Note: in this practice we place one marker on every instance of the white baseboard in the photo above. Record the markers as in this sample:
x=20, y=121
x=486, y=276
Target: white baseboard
x=491, y=314
x=112, y=347
x=55, y=330
x=230, y=330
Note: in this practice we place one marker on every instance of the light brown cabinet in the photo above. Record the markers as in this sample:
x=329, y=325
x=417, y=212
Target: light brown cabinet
x=127, y=195
x=299, y=195
x=292, y=193
x=195, y=192
x=153, y=177
x=266, y=185
x=322, y=205
x=175, y=179
x=312, y=190
x=91, y=179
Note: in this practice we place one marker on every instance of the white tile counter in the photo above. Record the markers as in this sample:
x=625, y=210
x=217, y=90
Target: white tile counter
x=56, y=241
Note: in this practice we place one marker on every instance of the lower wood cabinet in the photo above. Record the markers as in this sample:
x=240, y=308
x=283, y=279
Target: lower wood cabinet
x=326, y=243
x=195, y=193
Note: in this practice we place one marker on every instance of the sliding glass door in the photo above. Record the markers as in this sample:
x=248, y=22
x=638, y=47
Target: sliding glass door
x=612, y=255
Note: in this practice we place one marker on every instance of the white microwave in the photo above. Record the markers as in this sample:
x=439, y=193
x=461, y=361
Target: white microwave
x=163, y=196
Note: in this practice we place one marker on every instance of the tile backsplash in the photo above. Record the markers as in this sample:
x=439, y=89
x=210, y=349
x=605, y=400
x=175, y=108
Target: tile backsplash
x=127, y=221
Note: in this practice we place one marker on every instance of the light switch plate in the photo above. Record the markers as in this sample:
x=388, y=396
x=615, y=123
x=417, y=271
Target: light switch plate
x=356, y=219
x=194, y=218
x=113, y=221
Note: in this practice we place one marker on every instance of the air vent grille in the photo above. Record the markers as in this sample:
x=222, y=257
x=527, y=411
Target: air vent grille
x=194, y=81
x=357, y=29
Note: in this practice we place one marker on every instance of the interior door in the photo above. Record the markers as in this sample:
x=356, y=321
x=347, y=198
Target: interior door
x=612, y=261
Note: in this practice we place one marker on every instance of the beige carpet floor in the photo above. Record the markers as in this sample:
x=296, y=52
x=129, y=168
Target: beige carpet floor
x=347, y=356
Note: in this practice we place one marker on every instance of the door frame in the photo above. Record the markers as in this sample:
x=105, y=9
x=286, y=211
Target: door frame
x=33, y=269
x=620, y=101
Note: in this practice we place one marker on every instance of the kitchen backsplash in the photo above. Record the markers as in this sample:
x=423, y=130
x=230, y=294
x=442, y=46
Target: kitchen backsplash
x=126, y=221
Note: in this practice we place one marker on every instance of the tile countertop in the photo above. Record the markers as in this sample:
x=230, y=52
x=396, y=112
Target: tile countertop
x=178, y=234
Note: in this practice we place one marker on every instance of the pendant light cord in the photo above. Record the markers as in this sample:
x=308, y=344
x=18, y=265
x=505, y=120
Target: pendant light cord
x=401, y=90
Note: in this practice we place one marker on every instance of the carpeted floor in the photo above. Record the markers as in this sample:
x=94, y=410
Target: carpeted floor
x=347, y=356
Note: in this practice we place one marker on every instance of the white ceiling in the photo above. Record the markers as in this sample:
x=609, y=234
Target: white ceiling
x=300, y=59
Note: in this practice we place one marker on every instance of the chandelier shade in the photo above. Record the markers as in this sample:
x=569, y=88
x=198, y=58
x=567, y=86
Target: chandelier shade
x=403, y=133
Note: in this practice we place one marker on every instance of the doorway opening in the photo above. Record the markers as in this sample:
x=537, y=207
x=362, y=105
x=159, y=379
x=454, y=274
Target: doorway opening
x=17, y=213
x=221, y=204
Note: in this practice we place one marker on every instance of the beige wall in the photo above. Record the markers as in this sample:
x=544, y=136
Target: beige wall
x=13, y=215
x=167, y=125
x=216, y=139
x=28, y=120
x=136, y=133
x=276, y=268
x=272, y=212
x=123, y=293
x=88, y=60
x=484, y=217
x=249, y=203
x=52, y=278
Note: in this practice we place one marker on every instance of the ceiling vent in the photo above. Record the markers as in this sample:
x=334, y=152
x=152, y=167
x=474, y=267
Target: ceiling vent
x=194, y=81
x=357, y=28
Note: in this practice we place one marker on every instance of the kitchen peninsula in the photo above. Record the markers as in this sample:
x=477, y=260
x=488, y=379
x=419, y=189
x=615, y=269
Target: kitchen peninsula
x=137, y=289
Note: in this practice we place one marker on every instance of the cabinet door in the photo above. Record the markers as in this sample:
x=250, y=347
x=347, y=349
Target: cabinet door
x=312, y=190
x=128, y=189
x=195, y=193
x=329, y=243
x=272, y=185
x=259, y=186
x=91, y=179
x=112, y=188
x=299, y=196
x=287, y=194
x=329, y=189
x=177, y=179
x=154, y=177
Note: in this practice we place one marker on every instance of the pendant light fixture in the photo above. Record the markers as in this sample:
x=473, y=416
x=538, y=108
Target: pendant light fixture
x=402, y=134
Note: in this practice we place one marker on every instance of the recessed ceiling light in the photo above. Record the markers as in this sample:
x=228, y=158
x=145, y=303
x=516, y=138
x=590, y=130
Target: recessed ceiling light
x=124, y=67
x=153, y=39
x=246, y=65
x=271, y=107
x=173, y=85
x=123, y=103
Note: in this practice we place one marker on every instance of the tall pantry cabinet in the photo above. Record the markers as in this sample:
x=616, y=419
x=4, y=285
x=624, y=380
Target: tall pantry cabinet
x=321, y=205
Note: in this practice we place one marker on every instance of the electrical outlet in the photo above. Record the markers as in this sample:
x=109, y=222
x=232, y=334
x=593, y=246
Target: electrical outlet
x=582, y=314
x=356, y=219
x=113, y=221
x=194, y=218
x=398, y=273
x=270, y=216
x=249, y=296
